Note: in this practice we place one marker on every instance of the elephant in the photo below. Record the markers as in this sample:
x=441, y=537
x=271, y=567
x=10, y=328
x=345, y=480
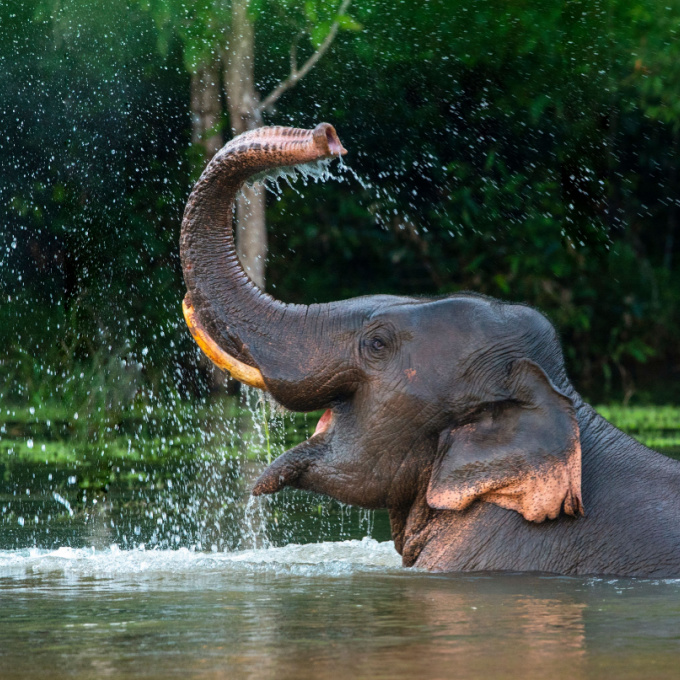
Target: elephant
x=455, y=413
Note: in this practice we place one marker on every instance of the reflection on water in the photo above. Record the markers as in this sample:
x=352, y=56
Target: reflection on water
x=207, y=507
x=161, y=478
x=341, y=610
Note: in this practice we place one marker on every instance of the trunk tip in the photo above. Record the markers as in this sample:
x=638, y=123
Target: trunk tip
x=327, y=140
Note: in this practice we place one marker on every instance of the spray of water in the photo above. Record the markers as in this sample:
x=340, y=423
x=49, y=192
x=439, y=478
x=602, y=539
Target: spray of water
x=157, y=469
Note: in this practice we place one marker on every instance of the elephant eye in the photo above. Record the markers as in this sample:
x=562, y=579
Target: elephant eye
x=377, y=344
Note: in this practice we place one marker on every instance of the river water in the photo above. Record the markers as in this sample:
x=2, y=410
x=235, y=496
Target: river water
x=162, y=568
x=322, y=610
x=335, y=609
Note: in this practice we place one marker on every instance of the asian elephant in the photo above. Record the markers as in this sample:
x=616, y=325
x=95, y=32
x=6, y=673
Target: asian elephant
x=455, y=413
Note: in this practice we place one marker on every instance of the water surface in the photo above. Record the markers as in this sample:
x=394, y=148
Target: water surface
x=148, y=559
x=342, y=609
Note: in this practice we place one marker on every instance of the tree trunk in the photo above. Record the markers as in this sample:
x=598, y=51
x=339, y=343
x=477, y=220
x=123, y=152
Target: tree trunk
x=243, y=100
x=672, y=208
x=206, y=109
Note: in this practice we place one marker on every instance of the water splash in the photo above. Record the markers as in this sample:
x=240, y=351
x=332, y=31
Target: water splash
x=60, y=499
x=133, y=464
x=318, y=171
x=312, y=559
x=383, y=205
x=256, y=519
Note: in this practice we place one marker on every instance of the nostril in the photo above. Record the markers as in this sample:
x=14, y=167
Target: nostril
x=334, y=145
x=326, y=136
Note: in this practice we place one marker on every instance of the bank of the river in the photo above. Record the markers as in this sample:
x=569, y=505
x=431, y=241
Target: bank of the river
x=53, y=434
x=109, y=446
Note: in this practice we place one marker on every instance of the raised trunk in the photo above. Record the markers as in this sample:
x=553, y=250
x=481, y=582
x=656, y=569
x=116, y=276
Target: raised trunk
x=238, y=326
x=243, y=102
x=206, y=136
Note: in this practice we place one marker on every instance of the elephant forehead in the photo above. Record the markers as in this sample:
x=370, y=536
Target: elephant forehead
x=454, y=323
x=440, y=337
x=459, y=334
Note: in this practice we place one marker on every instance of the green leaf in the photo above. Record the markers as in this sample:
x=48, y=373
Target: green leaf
x=319, y=33
x=346, y=22
x=310, y=11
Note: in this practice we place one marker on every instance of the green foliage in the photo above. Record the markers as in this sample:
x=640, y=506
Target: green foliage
x=657, y=427
x=201, y=26
x=204, y=31
x=119, y=447
x=656, y=67
x=524, y=150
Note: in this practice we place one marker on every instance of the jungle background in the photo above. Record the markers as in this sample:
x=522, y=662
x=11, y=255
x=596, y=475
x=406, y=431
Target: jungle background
x=525, y=150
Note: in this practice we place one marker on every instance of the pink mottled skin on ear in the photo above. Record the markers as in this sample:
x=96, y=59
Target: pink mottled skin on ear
x=524, y=455
x=544, y=494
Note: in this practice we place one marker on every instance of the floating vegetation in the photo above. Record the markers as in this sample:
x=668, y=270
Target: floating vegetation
x=655, y=426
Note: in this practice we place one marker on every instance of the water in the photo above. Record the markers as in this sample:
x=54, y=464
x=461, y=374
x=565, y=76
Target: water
x=290, y=586
x=128, y=542
x=331, y=609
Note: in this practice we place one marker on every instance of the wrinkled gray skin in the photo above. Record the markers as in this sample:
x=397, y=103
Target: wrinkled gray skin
x=424, y=391
x=381, y=446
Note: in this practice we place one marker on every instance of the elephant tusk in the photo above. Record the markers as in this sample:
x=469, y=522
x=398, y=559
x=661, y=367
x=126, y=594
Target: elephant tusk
x=246, y=374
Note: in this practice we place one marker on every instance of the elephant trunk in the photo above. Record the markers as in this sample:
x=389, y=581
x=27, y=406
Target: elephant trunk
x=260, y=340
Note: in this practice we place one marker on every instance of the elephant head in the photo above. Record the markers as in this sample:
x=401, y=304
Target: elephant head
x=455, y=399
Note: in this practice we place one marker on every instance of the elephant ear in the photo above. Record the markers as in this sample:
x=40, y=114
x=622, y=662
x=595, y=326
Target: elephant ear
x=523, y=453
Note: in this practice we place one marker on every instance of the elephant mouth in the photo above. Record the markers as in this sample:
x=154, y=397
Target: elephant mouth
x=324, y=422
x=293, y=467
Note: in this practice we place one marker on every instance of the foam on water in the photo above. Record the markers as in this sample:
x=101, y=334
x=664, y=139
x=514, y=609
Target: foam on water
x=313, y=559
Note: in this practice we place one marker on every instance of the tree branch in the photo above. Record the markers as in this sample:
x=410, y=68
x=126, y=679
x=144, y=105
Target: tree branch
x=293, y=53
x=295, y=74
